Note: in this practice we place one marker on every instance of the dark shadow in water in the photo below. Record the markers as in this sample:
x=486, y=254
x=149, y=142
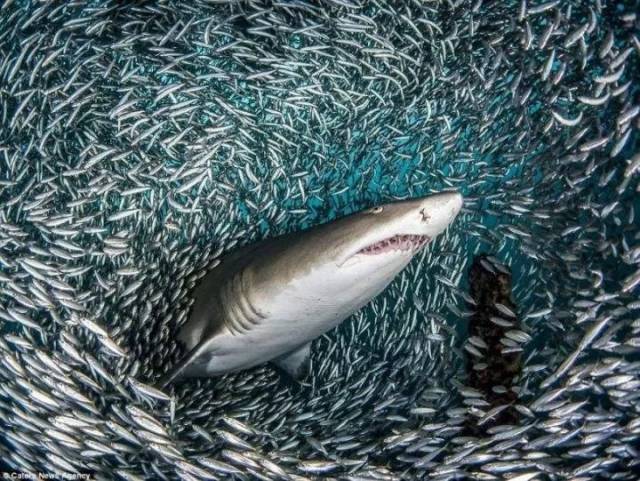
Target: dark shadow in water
x=490, y=285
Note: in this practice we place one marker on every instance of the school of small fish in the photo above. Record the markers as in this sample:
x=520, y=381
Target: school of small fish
x=140, y=141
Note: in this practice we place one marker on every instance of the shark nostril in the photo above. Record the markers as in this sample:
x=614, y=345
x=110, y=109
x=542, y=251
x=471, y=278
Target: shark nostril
x=425, y=216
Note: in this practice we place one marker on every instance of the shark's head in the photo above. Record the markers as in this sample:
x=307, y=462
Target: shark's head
x=339, y=266
x=394, y=232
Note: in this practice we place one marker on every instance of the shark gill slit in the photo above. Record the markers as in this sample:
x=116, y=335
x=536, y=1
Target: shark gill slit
x=244, y=300
x=233, y=320
x=242, y=317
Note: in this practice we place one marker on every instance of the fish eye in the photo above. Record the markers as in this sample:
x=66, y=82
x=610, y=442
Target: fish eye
x=376, y=210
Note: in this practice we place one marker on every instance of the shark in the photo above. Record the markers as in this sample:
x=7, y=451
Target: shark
x=267, y=301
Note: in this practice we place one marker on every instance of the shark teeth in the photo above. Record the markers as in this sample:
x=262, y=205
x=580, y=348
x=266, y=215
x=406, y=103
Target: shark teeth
x=408, y=242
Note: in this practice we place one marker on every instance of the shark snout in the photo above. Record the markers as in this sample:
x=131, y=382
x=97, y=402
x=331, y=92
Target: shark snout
x=436, y=212
x=402, y=227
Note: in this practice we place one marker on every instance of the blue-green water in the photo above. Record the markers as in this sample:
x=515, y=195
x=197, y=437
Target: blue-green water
x=138, y=143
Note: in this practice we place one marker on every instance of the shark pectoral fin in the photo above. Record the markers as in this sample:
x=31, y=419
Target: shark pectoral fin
x=188, y=365
x=295, y=363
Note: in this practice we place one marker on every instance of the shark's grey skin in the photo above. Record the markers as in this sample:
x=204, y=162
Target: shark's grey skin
x=268, y=301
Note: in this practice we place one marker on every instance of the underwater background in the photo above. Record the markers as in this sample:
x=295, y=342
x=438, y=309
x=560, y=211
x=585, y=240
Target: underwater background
x=140, y=141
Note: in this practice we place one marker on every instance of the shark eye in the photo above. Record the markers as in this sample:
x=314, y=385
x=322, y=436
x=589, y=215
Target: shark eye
x=376, y=210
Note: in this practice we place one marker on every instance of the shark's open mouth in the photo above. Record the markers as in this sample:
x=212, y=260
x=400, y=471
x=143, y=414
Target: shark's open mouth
x=398, y=242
